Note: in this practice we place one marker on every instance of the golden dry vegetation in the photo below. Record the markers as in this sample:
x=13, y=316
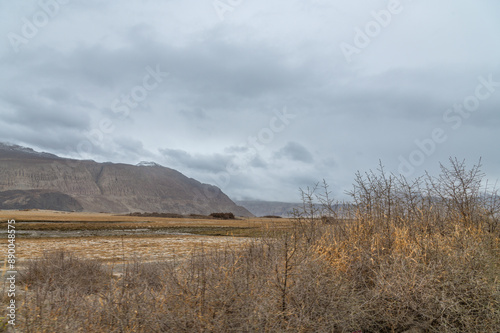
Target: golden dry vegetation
x=419, y=256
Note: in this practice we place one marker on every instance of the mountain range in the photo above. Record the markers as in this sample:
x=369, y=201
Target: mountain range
x=31, y=179
x=269, y=208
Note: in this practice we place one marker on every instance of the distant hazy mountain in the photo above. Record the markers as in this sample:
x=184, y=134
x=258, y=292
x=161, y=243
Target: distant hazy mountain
x=263, y=208
x=30, y=179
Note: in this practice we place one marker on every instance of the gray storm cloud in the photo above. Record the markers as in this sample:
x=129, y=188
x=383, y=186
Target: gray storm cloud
x=75, y=83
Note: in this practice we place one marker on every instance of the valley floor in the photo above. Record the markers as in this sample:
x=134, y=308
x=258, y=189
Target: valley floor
x=118, y=238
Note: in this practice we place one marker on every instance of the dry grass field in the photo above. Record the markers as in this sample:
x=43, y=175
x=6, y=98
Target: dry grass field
x=117, y=238
x=106, y=220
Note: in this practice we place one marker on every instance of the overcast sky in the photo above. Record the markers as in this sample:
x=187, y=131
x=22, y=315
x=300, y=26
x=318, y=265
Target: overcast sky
x=258, y=97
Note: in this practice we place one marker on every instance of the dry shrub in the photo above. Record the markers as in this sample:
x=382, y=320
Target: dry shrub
x=62, y=270
x=223, y=216
x=431, y=263
x=434, y=282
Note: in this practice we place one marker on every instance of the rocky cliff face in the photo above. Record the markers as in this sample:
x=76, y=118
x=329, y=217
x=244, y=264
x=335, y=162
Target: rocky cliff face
x=109, y=187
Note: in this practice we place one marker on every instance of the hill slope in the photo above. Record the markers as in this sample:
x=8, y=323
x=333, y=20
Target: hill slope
x=107, y=187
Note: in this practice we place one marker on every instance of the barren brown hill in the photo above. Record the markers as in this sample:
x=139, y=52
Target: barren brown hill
x=103, y=187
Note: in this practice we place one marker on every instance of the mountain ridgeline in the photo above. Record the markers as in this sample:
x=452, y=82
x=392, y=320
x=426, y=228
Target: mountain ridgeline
x=29, y=179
